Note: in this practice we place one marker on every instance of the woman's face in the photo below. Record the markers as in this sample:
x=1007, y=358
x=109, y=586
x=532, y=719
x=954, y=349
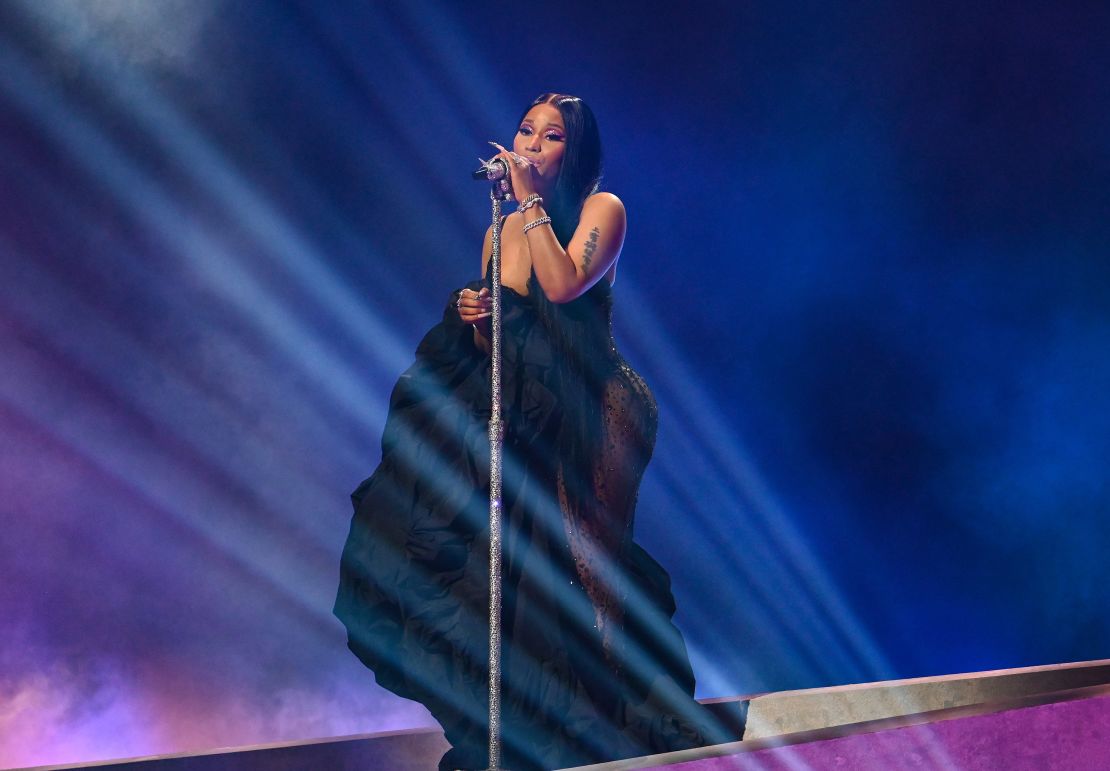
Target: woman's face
x=542, y=138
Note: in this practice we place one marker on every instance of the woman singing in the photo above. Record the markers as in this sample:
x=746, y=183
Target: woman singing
x=593, y=669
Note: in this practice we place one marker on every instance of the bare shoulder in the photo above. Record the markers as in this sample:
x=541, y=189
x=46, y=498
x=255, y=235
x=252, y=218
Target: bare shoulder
x=604, y=206
x=603, y=220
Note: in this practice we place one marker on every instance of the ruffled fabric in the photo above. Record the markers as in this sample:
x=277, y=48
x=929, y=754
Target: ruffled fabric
x=413, y=590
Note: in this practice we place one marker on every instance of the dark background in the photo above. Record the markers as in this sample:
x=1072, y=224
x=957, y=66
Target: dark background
x=866, y=275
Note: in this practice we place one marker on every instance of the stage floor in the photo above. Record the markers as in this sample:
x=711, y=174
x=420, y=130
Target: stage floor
x=1048, y=717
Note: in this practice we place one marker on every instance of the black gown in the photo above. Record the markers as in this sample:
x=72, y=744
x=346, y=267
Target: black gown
x=593, y=669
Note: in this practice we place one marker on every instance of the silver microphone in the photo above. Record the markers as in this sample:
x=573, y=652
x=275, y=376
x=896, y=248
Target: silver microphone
x=497, y=168
x=491, y=170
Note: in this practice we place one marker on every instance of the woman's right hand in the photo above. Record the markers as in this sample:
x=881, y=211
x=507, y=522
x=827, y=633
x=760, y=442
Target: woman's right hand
x=522, y=173
x=475, y=307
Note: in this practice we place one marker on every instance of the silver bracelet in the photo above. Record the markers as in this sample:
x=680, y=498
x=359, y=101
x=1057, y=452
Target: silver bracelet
x=541, y=221
x=530, y=201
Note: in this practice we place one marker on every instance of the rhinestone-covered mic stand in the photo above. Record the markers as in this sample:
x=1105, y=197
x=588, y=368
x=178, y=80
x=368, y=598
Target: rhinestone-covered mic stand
x=496, y=434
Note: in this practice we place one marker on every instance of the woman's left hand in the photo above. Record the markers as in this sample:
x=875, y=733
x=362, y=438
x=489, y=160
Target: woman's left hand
x=474, y=305
x=521, y=173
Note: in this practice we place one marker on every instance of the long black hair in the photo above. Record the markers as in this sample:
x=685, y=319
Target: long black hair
x=579, y=331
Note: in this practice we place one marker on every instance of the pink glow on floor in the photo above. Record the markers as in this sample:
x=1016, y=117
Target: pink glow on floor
x=1072, y=735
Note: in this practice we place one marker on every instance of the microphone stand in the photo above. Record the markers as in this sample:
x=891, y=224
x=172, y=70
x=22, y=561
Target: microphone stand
x=496, y=437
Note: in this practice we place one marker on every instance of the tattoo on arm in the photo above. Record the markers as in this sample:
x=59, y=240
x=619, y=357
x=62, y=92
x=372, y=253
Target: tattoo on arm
x=591, y=247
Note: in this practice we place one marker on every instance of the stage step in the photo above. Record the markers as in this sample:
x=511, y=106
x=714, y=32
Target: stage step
x=412, y=750
x=785, y=712
x=1058, y=731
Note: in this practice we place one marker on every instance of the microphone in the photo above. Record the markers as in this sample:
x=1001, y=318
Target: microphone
x=491, y=170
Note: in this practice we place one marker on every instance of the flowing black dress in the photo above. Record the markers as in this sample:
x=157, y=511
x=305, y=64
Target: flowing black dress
x=593, y=669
